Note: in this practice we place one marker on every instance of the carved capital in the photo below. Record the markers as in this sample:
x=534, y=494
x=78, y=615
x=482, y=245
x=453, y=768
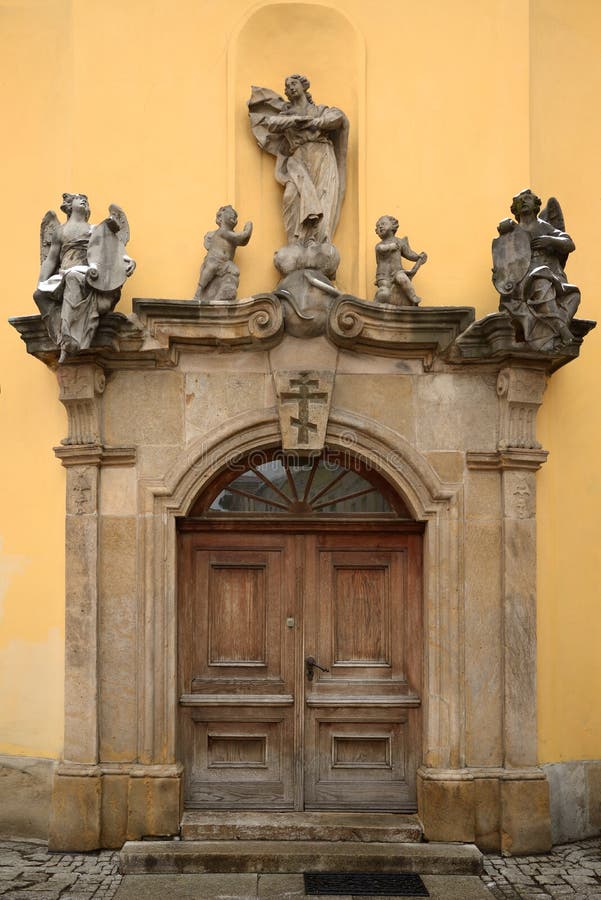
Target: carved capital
x=80, y=389
x=520, y=394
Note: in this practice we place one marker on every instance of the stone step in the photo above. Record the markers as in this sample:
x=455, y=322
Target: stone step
x=300, y=826
x=199, y=857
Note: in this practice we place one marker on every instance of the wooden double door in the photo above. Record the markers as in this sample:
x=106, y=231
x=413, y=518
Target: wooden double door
x=261, y=725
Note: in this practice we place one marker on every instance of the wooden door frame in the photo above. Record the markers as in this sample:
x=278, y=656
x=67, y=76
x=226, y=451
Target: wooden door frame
x=293, y=527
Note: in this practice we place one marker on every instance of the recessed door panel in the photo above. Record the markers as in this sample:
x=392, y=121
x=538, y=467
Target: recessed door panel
x=237, y=670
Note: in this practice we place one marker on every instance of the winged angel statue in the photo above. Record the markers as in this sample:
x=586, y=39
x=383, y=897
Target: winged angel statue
x=83, y=270
x=529, y=257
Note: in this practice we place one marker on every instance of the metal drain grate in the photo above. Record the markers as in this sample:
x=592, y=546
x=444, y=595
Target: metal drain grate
x=374, y=885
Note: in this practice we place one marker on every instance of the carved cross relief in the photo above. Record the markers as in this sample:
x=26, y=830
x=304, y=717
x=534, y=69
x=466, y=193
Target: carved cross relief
x=304, y=399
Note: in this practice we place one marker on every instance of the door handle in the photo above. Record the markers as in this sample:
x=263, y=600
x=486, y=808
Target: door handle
x=311, y=664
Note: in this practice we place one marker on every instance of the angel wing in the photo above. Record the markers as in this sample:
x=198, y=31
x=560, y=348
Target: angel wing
x=265, y=102
x=120, y=218
x=48, y=229
x=552, y=214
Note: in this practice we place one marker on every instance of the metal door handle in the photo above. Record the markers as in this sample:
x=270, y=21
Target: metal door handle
x=311, y=664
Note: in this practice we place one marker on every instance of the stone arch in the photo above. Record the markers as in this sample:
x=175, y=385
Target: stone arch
x=431, y=500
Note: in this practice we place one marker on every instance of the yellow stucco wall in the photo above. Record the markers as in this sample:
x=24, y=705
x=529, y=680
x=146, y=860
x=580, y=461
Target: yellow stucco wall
x=453, y=107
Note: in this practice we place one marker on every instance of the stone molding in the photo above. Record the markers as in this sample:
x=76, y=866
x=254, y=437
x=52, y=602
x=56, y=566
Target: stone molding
x=493, y=338
x=500, y=460
x=161, y=328
x=134, y=770
x=469, y=773
x=97, y=455
x=248, y=323
x=369, y=327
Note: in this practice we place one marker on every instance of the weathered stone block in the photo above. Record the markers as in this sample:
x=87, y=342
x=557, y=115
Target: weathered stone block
x=26, y=787
x=456, y=412
x=385, y=398
x=483, y=625
x=81, y=643
x=213, y=398
x=449, y=466
x=525, y=816
x=483, y=495
x=154, y=807
x=117, y=646
x=118, y=491
x=75, y=816
x=487, y=809
x=113, y=833
x=593, y=785
x=446, y=809
x=144, y=408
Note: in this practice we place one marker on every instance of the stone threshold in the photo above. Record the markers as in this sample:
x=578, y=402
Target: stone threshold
x=199, y=825
x=199, y=857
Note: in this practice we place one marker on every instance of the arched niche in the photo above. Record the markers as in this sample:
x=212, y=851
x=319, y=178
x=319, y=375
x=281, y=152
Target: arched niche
x=274, y=41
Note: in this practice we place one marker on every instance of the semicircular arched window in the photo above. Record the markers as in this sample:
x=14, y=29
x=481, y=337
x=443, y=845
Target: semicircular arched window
x=333, y=483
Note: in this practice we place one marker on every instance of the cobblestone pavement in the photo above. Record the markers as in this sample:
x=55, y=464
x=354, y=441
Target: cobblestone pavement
x=568, y=872
x=29, y=872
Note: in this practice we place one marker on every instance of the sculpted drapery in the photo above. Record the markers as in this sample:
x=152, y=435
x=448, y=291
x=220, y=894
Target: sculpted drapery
x=310, y=144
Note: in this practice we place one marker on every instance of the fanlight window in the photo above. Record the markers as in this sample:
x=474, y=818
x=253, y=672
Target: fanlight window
x=329, y=484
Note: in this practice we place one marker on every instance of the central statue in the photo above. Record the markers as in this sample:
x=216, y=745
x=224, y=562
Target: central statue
x=309, y=143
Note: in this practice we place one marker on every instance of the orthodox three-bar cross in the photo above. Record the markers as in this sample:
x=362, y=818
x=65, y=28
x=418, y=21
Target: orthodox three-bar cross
x=306, y=394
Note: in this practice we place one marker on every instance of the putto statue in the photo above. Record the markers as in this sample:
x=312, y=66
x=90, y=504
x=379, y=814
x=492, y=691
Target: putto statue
x=219, y=275
x=393, y=282
x=310, y=144
x=529, y=258
x=83, y=270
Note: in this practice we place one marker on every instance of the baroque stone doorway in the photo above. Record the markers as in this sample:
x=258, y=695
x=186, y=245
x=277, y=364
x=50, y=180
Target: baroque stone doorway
x=300, y=640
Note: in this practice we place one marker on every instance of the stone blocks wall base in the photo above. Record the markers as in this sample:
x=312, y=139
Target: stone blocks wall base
x=525, y=816
x=103, y=810
x=575, y=790
x=497, y=810
x=26, y=796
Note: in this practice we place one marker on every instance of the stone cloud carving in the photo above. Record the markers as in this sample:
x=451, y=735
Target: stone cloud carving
x=219, y=275
x=83, y=270
x=529, y=258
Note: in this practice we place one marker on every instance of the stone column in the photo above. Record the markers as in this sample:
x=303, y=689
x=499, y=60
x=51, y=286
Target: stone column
x=525, y=815
x=75, y=819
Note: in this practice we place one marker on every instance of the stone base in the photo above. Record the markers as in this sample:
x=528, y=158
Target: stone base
x=26, y=796
x=497, y=809
x=93, y=809
x=575, y=789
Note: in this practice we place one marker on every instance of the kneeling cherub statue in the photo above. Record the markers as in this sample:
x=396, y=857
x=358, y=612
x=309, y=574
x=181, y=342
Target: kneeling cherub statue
x=392, y=280
x=83, y=270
